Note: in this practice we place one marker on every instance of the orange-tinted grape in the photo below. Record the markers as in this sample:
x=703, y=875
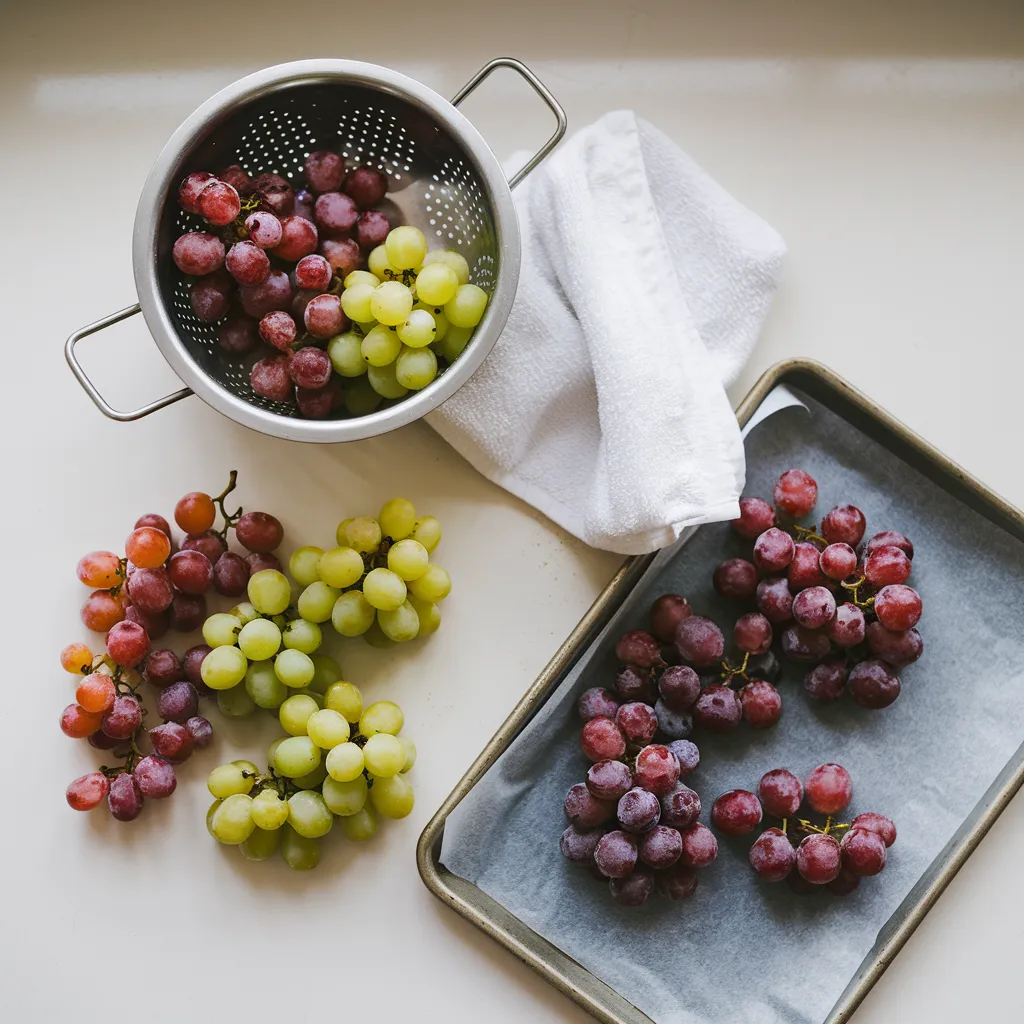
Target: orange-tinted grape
x=86, y=792
x=78, y=723
x=96, y=693
x=195, y=512
x=148, y=547
x=102, y=610
x=76, y=658
x=99, y=569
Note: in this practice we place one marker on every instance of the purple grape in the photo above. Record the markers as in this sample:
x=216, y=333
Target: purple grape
x=775, y=600
x=247, y=263
x=343, y=254
x=192, y=662
x=687, y=755
x=335, y=214
x=101, y=741
x=275, y=193
x=848, y=627
x=633, y=890
x=150, y=590
x=700, y=642
x=773, y=550
x=264, y=229
x=752, y=633
x=736, y=579
x=700, y=847
x=661, y=847
x=718, y=709
x=678, y=883
x=772, y=856
x=863, y=852
x=187, y=612
x=156, y=778
x=680, y=808
x=736, y=813
x=632, y=684
x=845, y=524
x=799, y=644
x=615, y=854
x=679, y=687
x=162, y=668
x=896, y=649
x=258, y=561
x=637, y=721
x=596, y=703
x=584, y=810
x=190, y=571
x=269, y=378
x=319, y=403
x=765, y=666
x=676, y=725
x=827, y=680
x=121, y=721
x=198, y=253
x=173, y=742
x=818, y=859
x=230, y=575
x=814, y=608
x=579, y=845
x=366, y=185
x=305, y=203
x=201, y=730
x=124, y=798
x=761, y=704
x=756, y=516
x=666, y=614
x=780, y=792
x=210, y=298
x=273, y=293
x=609, y=780
x=843, y=884
x=259, y=532
x=639, y=648
x=873, y=684
x=178, y=703
x=208, y=543
x=638, y=810
x=877, y=823
x=324, y=170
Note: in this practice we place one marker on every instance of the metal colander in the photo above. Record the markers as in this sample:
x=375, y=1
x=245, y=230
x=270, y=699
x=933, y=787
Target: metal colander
x=443, y=179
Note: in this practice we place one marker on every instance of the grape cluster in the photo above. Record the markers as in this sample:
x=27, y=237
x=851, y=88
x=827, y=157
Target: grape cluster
x=838, y=604
x=633, y=822
x=337, y=760
x=282, y=269
x=833, y=856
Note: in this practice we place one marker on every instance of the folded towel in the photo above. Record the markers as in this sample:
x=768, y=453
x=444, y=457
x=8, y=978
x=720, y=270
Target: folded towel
x=642, y=291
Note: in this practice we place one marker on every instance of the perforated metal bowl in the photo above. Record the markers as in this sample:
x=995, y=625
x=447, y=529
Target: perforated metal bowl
x=443, y=179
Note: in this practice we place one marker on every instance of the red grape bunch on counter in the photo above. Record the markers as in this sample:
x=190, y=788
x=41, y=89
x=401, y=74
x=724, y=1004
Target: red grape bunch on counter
x=833, y=856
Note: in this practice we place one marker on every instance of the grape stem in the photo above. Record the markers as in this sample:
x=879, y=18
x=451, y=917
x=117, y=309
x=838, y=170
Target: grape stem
x=729, y=673
x=122, y=574
x=853, y=584
x=131, y=758
x=230, y=518
x=808, y=533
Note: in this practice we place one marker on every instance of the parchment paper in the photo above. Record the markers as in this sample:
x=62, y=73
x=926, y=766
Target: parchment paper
x=743, y=951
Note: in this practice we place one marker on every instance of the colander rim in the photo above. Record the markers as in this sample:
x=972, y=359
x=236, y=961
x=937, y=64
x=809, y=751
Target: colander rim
x=165, y=175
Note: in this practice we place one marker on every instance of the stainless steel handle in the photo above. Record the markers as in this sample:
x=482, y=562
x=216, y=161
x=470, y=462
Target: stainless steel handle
x=90, y=389
x=540, y=89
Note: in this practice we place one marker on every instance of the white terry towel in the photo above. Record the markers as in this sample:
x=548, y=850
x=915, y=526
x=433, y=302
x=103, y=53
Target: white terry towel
x=642, y=292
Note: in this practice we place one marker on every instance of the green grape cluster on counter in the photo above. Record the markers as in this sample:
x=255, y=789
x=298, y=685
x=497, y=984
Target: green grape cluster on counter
x=338, y=760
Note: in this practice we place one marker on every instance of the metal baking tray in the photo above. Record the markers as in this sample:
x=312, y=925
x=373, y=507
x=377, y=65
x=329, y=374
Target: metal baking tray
x=551, y=963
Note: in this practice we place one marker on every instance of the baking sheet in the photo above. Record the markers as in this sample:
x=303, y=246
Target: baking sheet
x=743, y=950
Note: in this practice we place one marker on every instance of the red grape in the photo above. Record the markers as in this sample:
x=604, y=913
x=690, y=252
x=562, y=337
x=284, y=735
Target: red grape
x=190, y=187
x=150, y=590
x=270, y=379
x=844, y=883
x=679, y=687
x=756, y=516
x=324, y=317
x=192, y=661
x=700, y=847
x=801, y=644
x=634, y=890
x=736, y=579
x=602, y=740
x=661, y=847
x=210, y=298
x=162, y=668
x=87, y=792
x=780, y=792
x=838, y=561
x=371, y=229
x=736, y=813
x=230, y=575
x=335, y=213
x=178, y=702
x=206, y=543
x=264, y=229
x=298, y=239
x=173, y=742
x=632, y=684
x=678, y=883
x=366, y=186
x=844, y=524
x=752, y=633
x=772, y=855
x=313, y=273
x=775, y=600
x=155, y=777
x=324, y=170
x=805, y=569
x=596, y=703
x=124, y=798
x=121, y=721
x=187, y=612
x=154, y=623
x=847, y=628
x=343, y=254
x=898, y=649
x=657, y=770
x=236, y=177
x=157, y=522
x=259, y=531
x=718, y=709
x=275, y=193
x=257, y=562
x=102, y=610
x=818, y=859
x=795, y=492
x=680, y=808
x=877, y=823
x=247, y=263
x=219, y=203
x=640, y=648
x=700, y=642
x=310, y=367
x=898, y=607
x=761, y=703
x=885, y=565
x=827, y=680
x=666, y=614
x=584, y=810
x=638, y=810
x=687, y=755
x=863, y=852
x=78, y=723
x=829, y=788
x=319, y=403
x=773, y=550
x=278, y=330
x=201, y=731
x=615, y=854
x=873, y=684
x=814, y=607
x=637, y=722
x=190, y=571
x=579, y=846
x=299, y=304
x=127, y=643
x=890, y=538
x=609, y=780
x=304, y=204
x=197, y=253
x=96, y=693
x=274, y=293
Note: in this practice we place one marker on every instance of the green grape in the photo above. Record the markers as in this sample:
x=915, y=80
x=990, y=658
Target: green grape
x=235, y=703
x=264, y=688
x=360, y=277
x=280, y=621
x=467, y=306
x=221, y=629
x=410, y=752
x=384, y=589
x=455, y=260
x=346, y=355
x=363, y=534
x=384, y=755
x=434, y=585
x=408, y=559
x=355, y=301
x=269, y=811
x=244, y=612
x=345, y=762
x=296, y=756
x=376, y=637
x=209, y=816
x=260, y=845
x=418, y=330
x=401, y=624
x=307, y=692
x=352, y=614
x=405, y=247
x=393, y=797
x=342, y=566
x=390, y=304
x=341, y=533
x=313, y=779
x=232, y=822
x=272, y=749
x=346, y=699
x=427, y=530
x=397, y=518
x=309, y=815
x=298, y=852
x=223, y=668
x=327, y=728
x=303, y=565
x=380, y=267
x=437, y=317
x=415, y=368
x=259, y=640
x=381, y=716
x=228, y=779
x=325, y=671
x=455, y=342
x=429, y=615
x=295, y=712
x=246, y=766
x=294, y=668
x=436, y=284
x=381, y=346
x=382, y=379
x=359, y=397
x=316, y=602
x=359, y=826
x=345, y=798
x=269, y=591
x=300, y=635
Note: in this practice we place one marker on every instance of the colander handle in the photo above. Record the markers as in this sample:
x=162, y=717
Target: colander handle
x=540, y=89
x=90, y=389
